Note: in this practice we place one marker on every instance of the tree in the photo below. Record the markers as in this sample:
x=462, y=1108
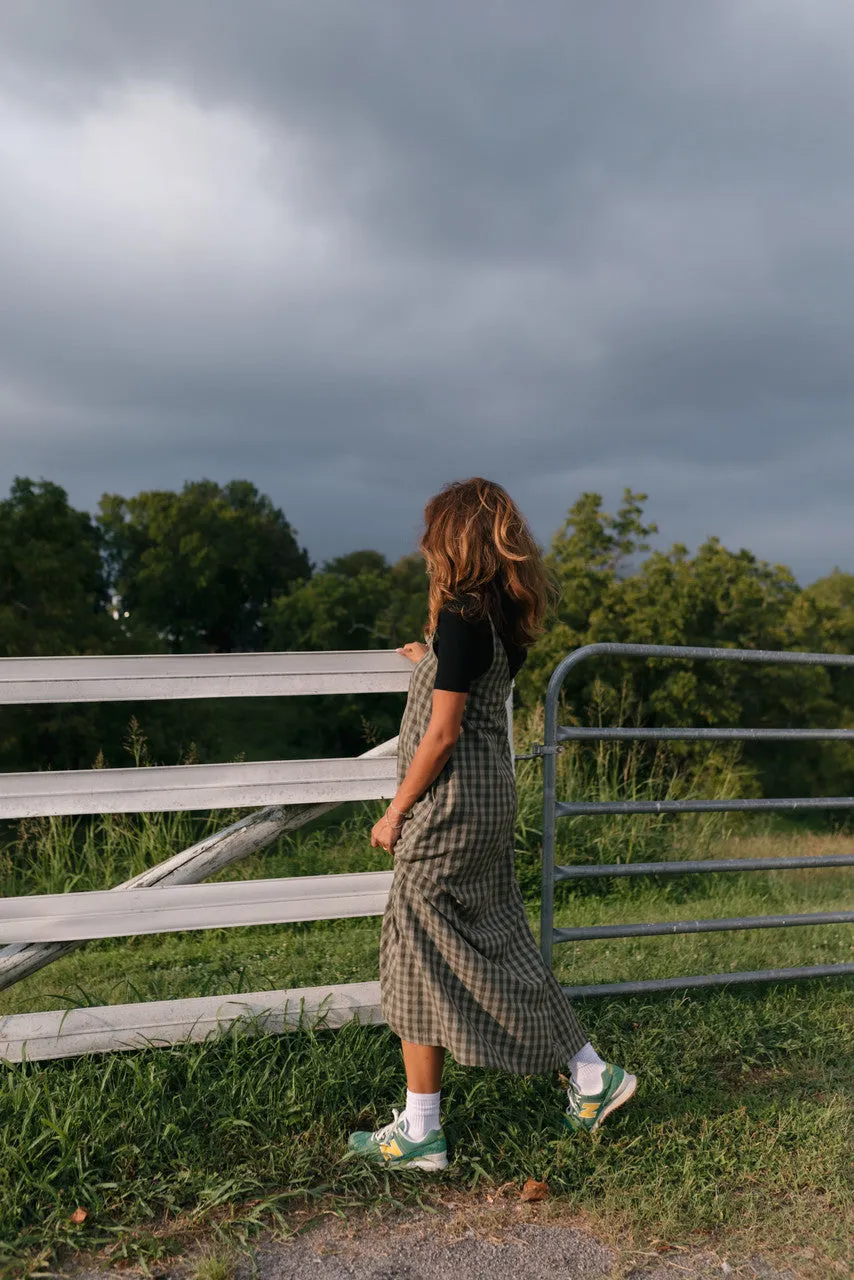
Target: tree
x=592, y=549
x=201, y=565
x=822, y=616
x=53, y=601
x=356, y=562
x=822, y=621
x=331, y=611
x=341, y=607
x=721, y=599
x=404, y=616
x=53, y=591
x=588, y=554
x=716, y=598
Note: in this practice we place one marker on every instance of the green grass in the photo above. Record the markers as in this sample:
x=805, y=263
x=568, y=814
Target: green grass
x=743, y=1123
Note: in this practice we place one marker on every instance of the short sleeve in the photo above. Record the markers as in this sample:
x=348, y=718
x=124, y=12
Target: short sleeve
x=463, y=651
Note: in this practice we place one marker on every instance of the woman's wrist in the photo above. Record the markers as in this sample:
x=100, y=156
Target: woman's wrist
x=399, y=814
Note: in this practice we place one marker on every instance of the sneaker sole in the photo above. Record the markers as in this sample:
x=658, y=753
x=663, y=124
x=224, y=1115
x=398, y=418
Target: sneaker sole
x=625, y=1091
x=438, y=1160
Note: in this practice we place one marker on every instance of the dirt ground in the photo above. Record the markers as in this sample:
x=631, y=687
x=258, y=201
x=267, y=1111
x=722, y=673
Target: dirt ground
x=457, y=1239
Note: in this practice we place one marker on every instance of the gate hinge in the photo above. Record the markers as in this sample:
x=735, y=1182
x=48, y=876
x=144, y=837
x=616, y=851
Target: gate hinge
x=540, y=749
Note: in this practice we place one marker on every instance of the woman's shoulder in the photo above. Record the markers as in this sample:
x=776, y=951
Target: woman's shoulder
x=450, y=620
x=463, y=608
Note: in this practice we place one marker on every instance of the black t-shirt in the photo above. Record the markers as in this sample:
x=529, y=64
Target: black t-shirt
x=463, y=651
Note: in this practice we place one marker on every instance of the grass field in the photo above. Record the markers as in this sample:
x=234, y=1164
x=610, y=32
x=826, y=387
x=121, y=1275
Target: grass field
x=743, y=1123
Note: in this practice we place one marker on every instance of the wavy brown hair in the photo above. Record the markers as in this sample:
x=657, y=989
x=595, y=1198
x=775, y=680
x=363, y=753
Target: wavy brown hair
x=482, y=559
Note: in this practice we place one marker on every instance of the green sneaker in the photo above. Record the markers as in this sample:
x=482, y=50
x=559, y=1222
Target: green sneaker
x=390, y=1146
x=588, y=1110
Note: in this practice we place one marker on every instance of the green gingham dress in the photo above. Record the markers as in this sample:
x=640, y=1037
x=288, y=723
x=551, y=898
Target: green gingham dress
x=459, y=965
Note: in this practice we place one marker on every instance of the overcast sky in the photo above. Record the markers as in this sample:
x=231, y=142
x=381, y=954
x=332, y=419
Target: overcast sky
x=351, y=251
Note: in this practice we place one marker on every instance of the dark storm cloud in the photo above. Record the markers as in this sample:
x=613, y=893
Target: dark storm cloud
x=353, y=251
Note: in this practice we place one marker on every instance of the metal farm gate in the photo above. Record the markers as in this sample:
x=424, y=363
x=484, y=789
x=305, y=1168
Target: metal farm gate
x=554, y=808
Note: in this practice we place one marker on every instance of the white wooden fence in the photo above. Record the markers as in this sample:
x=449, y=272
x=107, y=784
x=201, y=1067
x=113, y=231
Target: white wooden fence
x=36, y=930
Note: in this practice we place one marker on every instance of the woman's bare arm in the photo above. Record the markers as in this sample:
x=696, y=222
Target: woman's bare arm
x=434, y=749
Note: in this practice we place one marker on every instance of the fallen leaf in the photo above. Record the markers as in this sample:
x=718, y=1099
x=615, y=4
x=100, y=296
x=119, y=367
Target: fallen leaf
x=79, y=1215
x=534, y=1190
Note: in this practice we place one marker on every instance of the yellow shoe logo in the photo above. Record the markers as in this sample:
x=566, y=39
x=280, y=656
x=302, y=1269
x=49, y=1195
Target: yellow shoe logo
x=390, y=1148
x=588, y=1110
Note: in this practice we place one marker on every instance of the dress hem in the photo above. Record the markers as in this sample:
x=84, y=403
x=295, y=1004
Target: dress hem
x=560, y=1061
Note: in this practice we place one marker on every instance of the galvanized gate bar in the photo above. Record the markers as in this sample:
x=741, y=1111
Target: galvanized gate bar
x=613, y=734
x=699, y=806
x=555, y=735
x=644, y=985
x=677, y=867
x=650, y=930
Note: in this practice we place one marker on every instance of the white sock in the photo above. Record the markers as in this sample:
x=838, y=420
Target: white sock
x=586, y=1069
x=422, y=1113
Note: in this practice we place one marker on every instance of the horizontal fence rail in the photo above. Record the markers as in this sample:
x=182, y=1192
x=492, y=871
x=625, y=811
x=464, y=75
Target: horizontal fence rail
x=213, y=853
x=103, y=913
x=169, y=788
x=145, y=677
x=64, y=1033
x=39, y=929
x=555, y=736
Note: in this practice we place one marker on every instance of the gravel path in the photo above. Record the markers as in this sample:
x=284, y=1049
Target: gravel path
x=523, y=1251
x=475, y=1242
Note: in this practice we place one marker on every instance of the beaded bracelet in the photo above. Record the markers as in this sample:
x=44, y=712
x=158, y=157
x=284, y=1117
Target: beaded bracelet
x=403, y=817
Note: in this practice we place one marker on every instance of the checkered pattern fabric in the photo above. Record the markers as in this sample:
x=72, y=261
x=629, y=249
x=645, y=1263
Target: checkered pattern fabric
x=459, y=965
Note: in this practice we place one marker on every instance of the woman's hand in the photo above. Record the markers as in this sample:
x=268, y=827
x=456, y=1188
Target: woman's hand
x=414, y=650
x=384, y=835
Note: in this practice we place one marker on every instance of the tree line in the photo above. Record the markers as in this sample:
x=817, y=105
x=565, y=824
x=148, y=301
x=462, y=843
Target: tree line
x=219, y=568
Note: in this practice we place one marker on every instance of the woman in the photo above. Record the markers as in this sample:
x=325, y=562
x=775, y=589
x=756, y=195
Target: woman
x=459, y=966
